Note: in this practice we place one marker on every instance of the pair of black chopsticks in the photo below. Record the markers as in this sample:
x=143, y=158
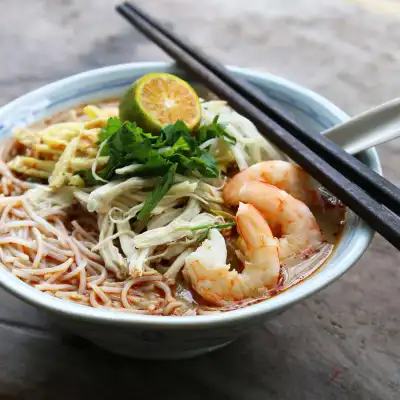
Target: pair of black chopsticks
x=368, y=194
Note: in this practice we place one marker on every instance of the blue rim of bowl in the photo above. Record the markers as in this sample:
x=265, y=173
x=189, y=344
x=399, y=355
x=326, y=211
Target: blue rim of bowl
x=271, y=306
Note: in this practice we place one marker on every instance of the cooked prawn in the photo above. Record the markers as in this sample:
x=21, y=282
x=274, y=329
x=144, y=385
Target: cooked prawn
x=213, y=279
x=282, y=174
x=290, y=219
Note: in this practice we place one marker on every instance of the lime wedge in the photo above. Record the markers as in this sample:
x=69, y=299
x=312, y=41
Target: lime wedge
x=158, y=99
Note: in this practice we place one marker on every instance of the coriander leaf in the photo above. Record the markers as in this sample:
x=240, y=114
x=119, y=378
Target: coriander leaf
x=126, y=144
x=122, y=139
x=114, y=124
x=125, y=147
x=150, y=136
x=184, y=164
x=182, y=144
x=105, y=151
x=206, y=165
x=139, y=152
x=158, y=193
x=137, y=133
x=155, y=166
x=214, y=130
x=172, y=132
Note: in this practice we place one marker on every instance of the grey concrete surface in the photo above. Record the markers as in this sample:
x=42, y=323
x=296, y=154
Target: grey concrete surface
x=343, y=343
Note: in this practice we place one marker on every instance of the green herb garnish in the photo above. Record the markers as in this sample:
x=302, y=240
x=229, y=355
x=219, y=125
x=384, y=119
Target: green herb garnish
x=175, y=149
x=113, y=126
x=211, y=226
x=158, y=193
x=208, y=227
x=214, y=130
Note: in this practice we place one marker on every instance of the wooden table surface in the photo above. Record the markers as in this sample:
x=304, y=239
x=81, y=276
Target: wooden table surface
x=343, y=343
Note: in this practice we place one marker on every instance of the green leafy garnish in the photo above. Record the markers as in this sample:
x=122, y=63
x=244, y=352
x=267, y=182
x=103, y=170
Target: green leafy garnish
x=158, y=193
x=155, y=166
x=206, y=165
x=174, y=150
x=171, y=133
x=214, y=130
x=208, y=227
x=211, y=226
x=113, y=126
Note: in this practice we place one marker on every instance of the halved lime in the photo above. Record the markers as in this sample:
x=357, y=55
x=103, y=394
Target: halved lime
x=158, y=99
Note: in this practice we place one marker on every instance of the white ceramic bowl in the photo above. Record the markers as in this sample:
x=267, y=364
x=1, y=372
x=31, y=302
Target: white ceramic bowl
x=158, y=337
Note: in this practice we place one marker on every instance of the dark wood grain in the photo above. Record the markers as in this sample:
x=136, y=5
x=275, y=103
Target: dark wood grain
x=343, y=343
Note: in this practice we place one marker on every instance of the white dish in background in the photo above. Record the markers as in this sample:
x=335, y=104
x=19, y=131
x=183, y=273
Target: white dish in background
x=159, y=337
